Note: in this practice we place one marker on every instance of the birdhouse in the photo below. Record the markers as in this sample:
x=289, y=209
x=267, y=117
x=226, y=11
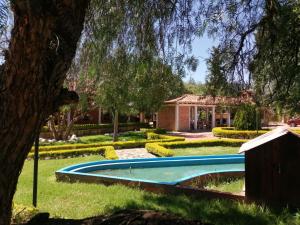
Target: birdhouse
x=272, y=168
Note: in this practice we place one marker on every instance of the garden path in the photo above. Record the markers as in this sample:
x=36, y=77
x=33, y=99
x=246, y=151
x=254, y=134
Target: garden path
x=193, y=136
x=134, y=153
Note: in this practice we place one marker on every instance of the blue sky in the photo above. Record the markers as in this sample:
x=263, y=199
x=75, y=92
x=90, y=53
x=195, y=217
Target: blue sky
x=200, y=49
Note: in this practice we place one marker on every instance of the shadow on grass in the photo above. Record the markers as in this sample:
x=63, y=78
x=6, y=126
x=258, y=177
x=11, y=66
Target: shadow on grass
x=210, y=211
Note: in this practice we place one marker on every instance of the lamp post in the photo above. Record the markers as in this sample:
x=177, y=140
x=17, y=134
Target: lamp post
x=35, y=170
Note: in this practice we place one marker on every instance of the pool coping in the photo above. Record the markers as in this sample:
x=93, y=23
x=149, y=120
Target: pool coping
x=181, y=186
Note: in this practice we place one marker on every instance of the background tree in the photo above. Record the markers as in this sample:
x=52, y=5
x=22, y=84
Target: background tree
x=217, y=80
x=114, y=84
x=192, y=87
x=78, y=79
x=276, y=67
x=153, y=84
x=247, y=118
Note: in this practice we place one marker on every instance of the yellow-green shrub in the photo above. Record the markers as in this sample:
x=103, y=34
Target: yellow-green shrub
x=210, y=142
x=107, y=151
x=241, y=134
x=159, y=150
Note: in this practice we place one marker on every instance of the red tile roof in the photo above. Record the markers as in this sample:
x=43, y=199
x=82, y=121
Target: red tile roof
x=210, y=100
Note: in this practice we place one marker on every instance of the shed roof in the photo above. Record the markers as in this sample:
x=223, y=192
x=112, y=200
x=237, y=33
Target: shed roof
x=210, y=100
x=262, y=139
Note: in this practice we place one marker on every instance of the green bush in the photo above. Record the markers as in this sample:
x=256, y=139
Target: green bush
x=240, y=134
x=107, y=151
x=154, y=130
x=159, y=150
x=245, y=118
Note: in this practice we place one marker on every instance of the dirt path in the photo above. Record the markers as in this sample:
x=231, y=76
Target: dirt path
x=193, y=136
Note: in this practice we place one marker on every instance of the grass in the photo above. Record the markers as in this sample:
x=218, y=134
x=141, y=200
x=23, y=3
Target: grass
x=128, y=136
x=206, y=150
x=84, y=200
x=230, y=185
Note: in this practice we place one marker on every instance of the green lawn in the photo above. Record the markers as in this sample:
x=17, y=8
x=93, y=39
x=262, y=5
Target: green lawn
x=208, y=150
x=128, y=136
x=231, y=185
x=84, y=200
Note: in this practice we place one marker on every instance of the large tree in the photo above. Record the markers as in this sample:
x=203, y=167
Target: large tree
x=114, y=82
x=41, y=48
x=276, y=66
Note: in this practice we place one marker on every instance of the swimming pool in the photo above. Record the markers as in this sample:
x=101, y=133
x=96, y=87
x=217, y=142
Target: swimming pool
x=162, y=171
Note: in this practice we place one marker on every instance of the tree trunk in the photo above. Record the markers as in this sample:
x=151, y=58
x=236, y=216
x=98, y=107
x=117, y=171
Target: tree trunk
x=116, y=125
x=42, y=46
x=142, y=117
x=52, y=128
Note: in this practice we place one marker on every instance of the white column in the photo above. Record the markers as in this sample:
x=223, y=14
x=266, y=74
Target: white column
x=229, y=119
x=213, y=118
x=195, y=117
x=99, y=115
x=176, y=117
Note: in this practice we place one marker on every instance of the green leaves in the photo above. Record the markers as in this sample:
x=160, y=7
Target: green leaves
x=247, y=118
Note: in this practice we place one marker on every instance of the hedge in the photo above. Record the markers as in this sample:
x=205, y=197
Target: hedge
x=99, y=126
x=167, y=149
x=159, y=150
x=200, y=143
x=117, y=145
x=154, y=130
x=229, y=132
x=107, y=151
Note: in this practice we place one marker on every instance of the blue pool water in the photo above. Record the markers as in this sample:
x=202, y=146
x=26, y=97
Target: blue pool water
x=168, y=174
x=168, y=170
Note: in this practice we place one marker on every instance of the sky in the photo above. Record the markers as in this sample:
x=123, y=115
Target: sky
x=200, y=49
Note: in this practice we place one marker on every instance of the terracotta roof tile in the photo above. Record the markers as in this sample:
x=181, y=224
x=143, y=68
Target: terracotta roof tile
x=210, y=100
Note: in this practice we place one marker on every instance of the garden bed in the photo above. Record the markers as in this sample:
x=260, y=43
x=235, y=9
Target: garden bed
x=169, y=149
x=106, y=149
x=94, y=129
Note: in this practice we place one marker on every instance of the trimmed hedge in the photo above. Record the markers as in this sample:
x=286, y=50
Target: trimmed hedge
x=99, y=126
x=167, y=149
x=154, y=130
x=107, y=151
x=159, y=150
x=228, y=132
x=118, y=144
x=200, y=143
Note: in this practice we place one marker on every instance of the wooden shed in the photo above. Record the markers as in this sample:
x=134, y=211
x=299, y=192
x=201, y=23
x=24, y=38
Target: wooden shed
x=272, y=168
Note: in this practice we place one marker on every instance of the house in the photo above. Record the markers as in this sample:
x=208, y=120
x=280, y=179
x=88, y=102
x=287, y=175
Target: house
x=272, y=166
x=195, y=112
